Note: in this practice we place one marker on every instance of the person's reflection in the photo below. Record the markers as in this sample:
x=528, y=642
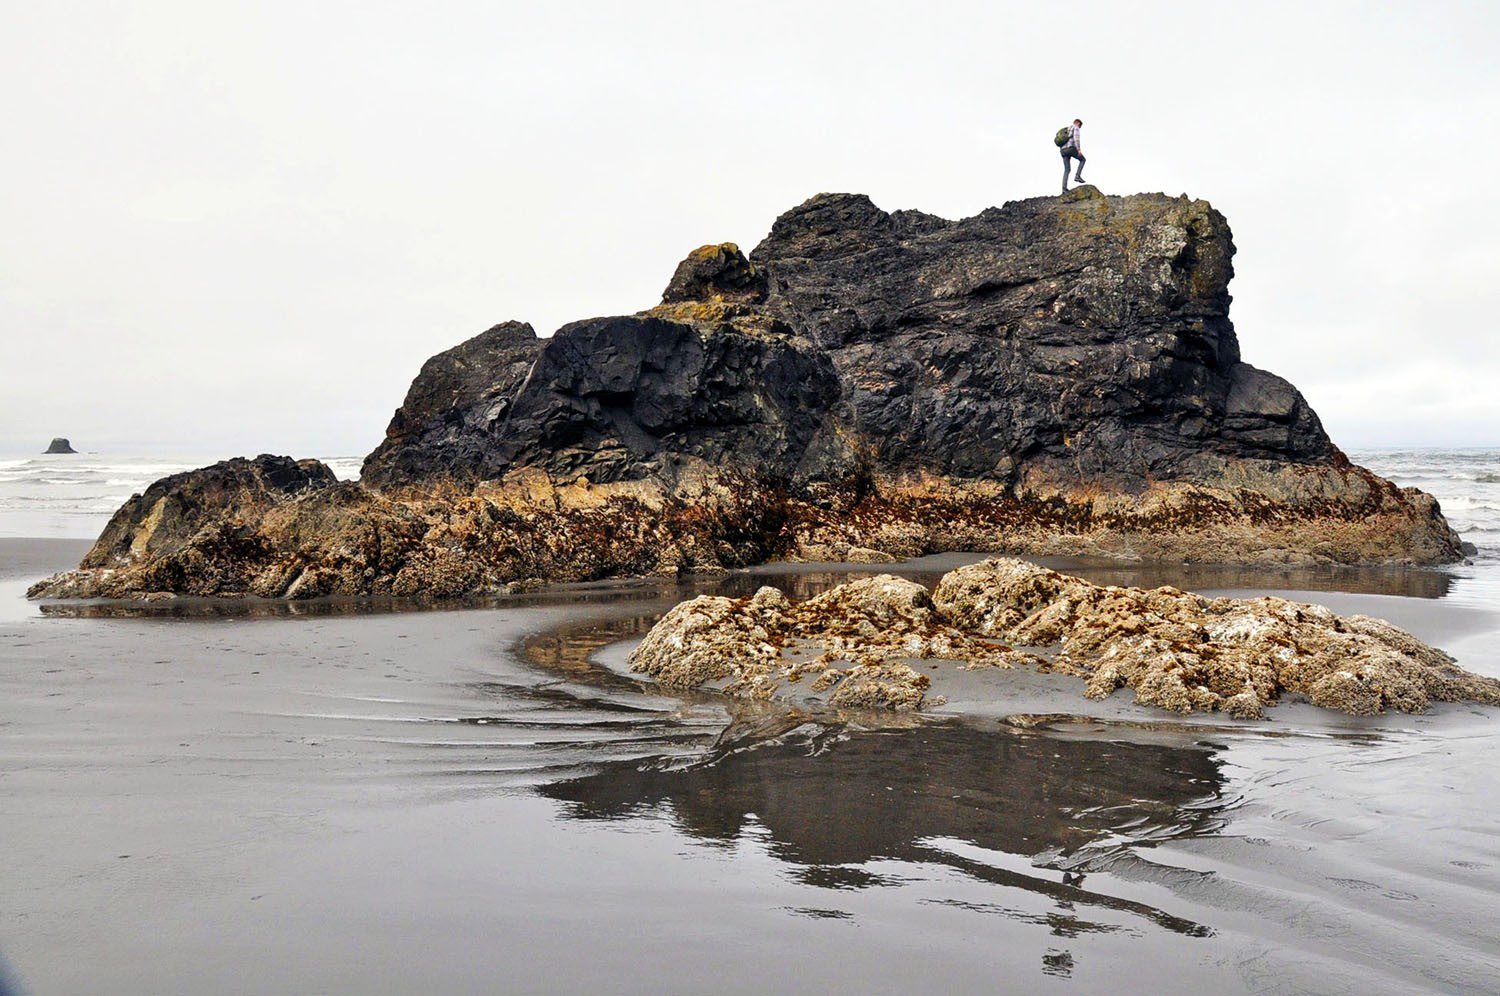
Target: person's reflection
x=830, y=801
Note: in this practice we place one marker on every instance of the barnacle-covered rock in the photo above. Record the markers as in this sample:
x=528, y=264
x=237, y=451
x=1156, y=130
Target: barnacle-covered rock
x=1185, y=652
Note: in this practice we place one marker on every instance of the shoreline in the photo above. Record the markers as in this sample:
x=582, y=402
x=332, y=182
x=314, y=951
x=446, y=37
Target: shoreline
x=22, y=561
x=607, y=618
x=1406, y=579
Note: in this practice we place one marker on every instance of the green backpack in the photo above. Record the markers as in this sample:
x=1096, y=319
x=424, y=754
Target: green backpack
x=1061, y=138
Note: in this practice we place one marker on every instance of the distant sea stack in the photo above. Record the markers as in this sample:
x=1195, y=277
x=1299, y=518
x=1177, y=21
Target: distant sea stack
x=1054, y=376
x=59, y=445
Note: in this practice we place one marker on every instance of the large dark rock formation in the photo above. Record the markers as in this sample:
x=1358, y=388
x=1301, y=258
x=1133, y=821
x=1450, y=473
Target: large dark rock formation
x=1088, y=338
x=59, y=445
x=1058, y=375
x=613, y=398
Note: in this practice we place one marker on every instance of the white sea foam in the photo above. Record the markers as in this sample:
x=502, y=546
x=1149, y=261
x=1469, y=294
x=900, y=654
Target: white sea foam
x=1466, y=482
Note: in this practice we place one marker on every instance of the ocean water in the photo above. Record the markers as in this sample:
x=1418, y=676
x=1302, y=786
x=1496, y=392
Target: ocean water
x=1466, y=482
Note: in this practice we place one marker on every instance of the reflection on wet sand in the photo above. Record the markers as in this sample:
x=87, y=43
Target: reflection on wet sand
x=832, y=799
x=836, y=791
x=802, y=581
x=569, y=648
x=1411, y=582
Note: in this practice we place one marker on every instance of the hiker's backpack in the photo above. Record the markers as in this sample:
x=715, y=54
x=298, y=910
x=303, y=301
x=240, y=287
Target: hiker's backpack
x=1061, y=138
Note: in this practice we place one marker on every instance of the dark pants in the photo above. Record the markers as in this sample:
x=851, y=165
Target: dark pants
x=1069, y=152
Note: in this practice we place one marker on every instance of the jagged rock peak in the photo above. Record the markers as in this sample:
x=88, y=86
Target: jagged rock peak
x=716, y=273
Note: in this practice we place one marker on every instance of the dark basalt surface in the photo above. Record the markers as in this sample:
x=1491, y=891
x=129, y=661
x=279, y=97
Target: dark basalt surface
x=59, y=445
x=446, y=424
x=1086, y=337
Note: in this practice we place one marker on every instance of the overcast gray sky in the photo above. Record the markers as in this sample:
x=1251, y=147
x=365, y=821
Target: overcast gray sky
x=237, y=227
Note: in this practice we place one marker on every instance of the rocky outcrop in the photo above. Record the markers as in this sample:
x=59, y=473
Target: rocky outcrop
x=190, y=535
x=59, y=445
x=1059, y=375
x=705, y=383
x=1184, y=652
x=1047, y=342
x=1175, y=650
x=200, y=531
x=1082, y=339
x=854, y=639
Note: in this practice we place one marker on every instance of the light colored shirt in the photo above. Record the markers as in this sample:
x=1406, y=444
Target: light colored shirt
x=1073, y=142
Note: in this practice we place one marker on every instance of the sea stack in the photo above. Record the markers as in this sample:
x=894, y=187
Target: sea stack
x=1054, y=376
x=59, y=445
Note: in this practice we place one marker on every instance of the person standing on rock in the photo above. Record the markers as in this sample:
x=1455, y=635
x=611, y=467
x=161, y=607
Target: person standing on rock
x=1073, y=150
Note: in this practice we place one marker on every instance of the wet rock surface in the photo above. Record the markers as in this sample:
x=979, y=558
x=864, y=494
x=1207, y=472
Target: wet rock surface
x=59, y=445
x=1185, y=652
x=1055, y=376
x=853, y=640
x=1173, y=649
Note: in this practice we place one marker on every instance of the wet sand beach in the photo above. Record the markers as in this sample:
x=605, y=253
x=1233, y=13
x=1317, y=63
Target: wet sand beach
x=315, y=798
